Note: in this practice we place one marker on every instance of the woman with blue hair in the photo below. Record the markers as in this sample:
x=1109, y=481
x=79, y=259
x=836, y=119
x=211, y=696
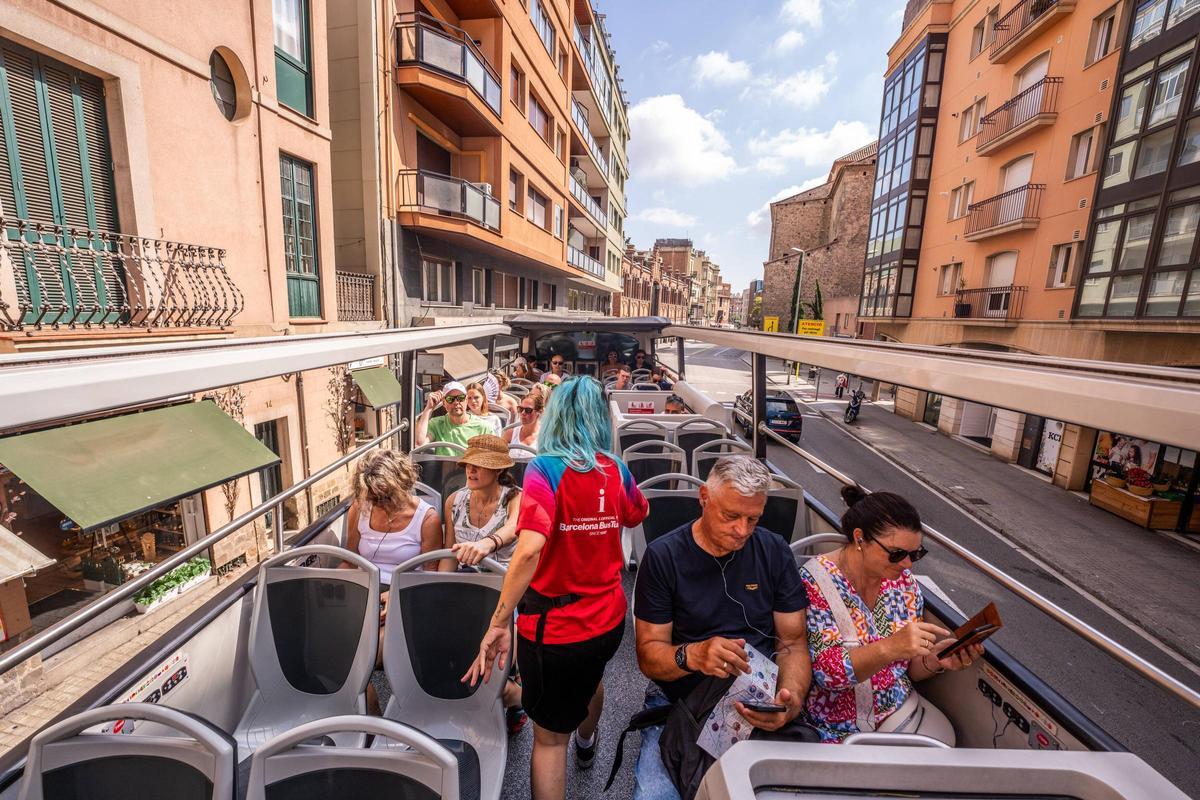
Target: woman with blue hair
x=564, y=580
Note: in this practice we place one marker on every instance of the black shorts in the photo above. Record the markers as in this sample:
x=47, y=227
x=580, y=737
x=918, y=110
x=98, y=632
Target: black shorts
x=556, y=692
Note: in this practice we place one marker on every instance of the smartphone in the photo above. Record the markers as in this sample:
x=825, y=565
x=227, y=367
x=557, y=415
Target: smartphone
x=765, y=708
x=973, y=636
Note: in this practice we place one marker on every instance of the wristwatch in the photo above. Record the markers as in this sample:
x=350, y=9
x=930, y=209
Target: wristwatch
x=681, y=658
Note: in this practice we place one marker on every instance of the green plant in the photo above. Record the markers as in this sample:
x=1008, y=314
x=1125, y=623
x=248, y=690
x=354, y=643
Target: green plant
x=818, y=303
x=175, y=578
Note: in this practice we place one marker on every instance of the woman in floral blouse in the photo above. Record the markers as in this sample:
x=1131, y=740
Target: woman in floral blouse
x=867, y=634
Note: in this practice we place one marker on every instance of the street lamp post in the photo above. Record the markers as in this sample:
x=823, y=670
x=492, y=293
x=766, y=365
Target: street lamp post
x=797, y=302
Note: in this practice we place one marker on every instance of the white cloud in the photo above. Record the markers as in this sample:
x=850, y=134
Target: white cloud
x=788, y=41
x=807, y=87
x=659, y=46
x=668, y=217
x=718, y=69
x=802, y=12
x=807, y=146
x=760, y=218
x=671, y=142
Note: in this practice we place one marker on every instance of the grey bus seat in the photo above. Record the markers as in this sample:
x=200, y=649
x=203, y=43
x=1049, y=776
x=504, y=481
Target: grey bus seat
x=676, y=503
x=706, y=454
x=694, y=432
x=196, y=761
x=434, y=624
x=500, y=411
x=647, y=386
x=428, y=494
x=516, y=390
x=289, y=768
x=640, y=374
x=633, y=431
x=440, y=472
x=652, y=457
x=785, y=512
x=815, y=544
x=521, y=456
x=313, y=638
x=524, y=383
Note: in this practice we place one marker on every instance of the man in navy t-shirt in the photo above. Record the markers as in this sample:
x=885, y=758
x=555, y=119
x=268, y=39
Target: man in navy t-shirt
x=706, y=590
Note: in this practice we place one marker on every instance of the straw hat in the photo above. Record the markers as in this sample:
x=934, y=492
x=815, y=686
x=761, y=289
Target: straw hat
x=487, y=451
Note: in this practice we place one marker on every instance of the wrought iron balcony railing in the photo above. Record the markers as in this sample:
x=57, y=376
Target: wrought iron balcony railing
x=424, y=40
x=1016, y=208
x=992, y=302
x=1020, y=19
x=1038, y=100
x=54, y=277
x=355, y=297
x=444, y=194
x=580, y=115
x=579, y=192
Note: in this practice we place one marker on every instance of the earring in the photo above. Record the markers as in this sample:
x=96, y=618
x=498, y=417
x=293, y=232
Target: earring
x=858, y=545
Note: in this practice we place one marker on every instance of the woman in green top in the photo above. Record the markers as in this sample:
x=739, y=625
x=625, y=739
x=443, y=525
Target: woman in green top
x=456, y=427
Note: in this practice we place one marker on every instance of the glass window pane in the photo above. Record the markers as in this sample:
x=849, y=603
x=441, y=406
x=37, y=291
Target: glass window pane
x=289, y=28
x=1131, y=110
x=1147, y=22
x=1162, y=298
x=1137, y=242
x=1125, y=290
x=1118, y=164
x=1190, y=153
x=1191, y=306
x=1154, y=153
x=1178, y=234
x=1104, y=248
x=1167, y=93
x=1091, y=299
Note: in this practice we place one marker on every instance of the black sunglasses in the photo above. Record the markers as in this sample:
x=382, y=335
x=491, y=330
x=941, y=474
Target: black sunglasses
x=524, y=410
x=898, y=554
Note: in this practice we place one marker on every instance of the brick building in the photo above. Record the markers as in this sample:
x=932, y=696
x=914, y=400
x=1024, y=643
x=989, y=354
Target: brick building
x=637, y=284
x=830, y=224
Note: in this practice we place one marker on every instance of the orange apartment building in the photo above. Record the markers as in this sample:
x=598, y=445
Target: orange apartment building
x=995, y=121
x=495, y=181
x=165, y=177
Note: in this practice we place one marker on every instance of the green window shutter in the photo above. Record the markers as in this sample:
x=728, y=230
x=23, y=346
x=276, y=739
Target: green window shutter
x=32, y=176
x=300, y=237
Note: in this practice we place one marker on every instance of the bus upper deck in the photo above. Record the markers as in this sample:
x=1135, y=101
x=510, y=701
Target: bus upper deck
x=227, y=660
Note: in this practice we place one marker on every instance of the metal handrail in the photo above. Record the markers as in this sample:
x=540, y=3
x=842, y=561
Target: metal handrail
x=1040, y=98
x=484, y=81
x=580, y=115
x=1047, y=607
x=1009, y=27
x=1006, y=208
x=594, y=209
x=127, y=590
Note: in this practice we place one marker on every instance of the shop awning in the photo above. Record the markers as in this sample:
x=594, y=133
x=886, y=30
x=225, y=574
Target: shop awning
x=379, y=386
x=102, y=471
x=462, y=361
x=18, y=557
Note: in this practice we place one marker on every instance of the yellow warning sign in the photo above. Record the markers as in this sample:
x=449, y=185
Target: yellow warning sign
x=811, y=327
x=771, y=324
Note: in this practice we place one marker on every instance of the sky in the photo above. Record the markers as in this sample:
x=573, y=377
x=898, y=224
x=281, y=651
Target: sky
x=733, y=105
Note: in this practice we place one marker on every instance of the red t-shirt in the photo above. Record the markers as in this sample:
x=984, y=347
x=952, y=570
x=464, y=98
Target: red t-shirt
x=581, y=515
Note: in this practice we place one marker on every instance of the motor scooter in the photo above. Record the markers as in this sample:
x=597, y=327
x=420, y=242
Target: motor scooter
x=856, y=398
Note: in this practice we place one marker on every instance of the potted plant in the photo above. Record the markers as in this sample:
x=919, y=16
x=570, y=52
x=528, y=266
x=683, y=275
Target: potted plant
x=1138, y=482
x=1114, y=478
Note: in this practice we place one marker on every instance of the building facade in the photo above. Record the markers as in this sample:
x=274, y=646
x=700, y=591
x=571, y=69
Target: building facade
x=495, y=181
x=829, y=223
x=752, y=300
x=681, y=259
x=637, y=284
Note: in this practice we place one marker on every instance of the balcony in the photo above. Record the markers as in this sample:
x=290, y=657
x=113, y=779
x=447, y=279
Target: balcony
x=56, y=277
x=1001, y=303
x=440, y=66
x=1028, y=111
x=1016, y=209
x=355, y=297
x=429, y=192
x=1022, y=23
x=592, y=64
x=594, y=209
x=581, y=260
x=580, y=115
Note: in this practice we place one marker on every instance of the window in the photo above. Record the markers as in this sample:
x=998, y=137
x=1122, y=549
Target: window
x=478, y=287
x=970, y=121
x=1167, y=94
x=1082, y=154
x=1062, y=264
x=542, y=24
x=293, y=55
x=1103, y=38
x=984, y=32
x=535, y=207
x=1154, y=153
x=960, y=200
x=300, y=237
x=539, y=119
x=438, y=281
x=1147, y=22
x=560, y=143
x=949, y=279
x=562, y=63
x=1181, y=10
x=220, y=80
x=516, y=183
x=1190, y=153
x=558, y=221
x=516, y=86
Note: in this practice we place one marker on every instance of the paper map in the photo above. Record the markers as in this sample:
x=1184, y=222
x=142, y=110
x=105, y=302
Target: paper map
x=725, y=727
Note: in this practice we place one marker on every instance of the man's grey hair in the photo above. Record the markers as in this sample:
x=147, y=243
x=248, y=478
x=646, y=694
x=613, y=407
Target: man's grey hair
x=747, y=475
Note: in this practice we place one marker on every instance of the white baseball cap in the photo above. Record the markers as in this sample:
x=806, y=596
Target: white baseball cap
x=447, y=388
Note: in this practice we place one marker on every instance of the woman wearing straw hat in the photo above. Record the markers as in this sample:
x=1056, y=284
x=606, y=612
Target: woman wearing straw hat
x=481, y=522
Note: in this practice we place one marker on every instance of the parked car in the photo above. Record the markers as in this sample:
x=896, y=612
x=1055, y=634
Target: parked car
x=783, y=414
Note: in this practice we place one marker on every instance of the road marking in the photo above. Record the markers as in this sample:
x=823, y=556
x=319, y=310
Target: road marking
x=1134, y=627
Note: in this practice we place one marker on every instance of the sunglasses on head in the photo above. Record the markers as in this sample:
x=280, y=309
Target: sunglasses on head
x=898, y=554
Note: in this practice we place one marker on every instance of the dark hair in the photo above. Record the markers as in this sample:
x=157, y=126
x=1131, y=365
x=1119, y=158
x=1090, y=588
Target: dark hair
x=876, y=511
x=506, y=479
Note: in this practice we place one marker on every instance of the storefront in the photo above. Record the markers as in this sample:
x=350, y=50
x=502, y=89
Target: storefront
x=1041, y=441
x=106, y=499
x=1147, y=483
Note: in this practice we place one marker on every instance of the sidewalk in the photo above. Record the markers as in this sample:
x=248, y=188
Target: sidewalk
x=1148, y=577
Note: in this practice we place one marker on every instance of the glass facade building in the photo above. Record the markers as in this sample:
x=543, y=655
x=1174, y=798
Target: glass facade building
x=908, y=122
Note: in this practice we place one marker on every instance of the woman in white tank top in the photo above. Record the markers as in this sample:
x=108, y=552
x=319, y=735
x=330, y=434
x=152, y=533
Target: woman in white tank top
x=529, y=413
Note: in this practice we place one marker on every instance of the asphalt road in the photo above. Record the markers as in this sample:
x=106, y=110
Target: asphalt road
x=1146, y=719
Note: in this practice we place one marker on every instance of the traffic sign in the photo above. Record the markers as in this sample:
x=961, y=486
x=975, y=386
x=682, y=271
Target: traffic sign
x=811, y=327
x=771, y=324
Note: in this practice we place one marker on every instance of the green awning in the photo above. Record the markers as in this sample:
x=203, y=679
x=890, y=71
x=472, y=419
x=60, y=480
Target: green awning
x=105, y=470
x=379, y=386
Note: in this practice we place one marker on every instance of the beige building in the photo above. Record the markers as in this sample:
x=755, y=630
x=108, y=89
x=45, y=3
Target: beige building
x=174, y=163
x=495, y=182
